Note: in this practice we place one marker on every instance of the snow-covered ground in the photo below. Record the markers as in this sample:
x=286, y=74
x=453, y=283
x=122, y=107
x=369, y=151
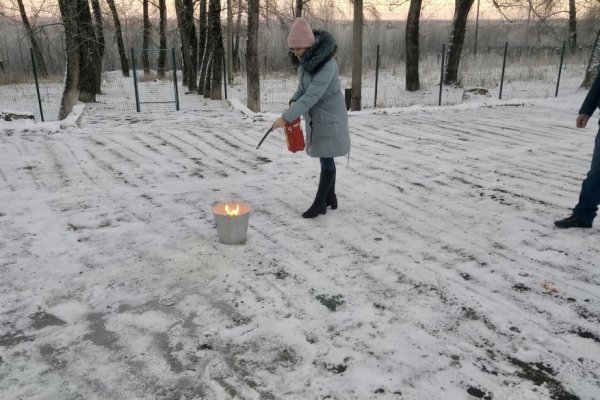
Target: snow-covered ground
x=440, y=276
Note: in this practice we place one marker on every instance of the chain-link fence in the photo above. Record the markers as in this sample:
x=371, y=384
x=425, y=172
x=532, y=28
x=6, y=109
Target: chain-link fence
x=529, y=73
x=26, y=91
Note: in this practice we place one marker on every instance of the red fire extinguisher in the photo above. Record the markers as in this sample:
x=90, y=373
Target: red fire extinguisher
x=294, y=136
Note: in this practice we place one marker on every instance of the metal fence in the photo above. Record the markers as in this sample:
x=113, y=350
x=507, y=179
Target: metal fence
x=508, y=73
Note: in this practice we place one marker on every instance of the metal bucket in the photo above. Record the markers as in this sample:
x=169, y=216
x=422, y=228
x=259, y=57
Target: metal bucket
x=232, y=229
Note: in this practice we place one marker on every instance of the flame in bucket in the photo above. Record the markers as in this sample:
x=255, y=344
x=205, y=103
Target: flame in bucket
x=230, y=212
x=231, y=219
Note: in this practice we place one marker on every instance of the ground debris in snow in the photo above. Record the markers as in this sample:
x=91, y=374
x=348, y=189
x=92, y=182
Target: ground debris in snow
x=542, y=374
x=43, y=319
x=13, y=338
x=478, y=393
x=331, y=302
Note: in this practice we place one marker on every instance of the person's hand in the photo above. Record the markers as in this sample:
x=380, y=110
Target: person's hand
x=582, y=120
x=279, y=123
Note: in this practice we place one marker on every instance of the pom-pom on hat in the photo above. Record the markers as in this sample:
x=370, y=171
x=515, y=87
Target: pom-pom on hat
x=301, y=34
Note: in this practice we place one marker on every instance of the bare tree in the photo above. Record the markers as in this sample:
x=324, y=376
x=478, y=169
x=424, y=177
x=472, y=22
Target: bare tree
x=572, y=26
x=236, y=46
x=69, y=10
x=204, y=46
x=252, y=67
x=593, y=68
x=542, y=12
x=87, y=54
x=214, y=9
x=100, y=43
x=147, y=31
x=193, y=42
x=357, y=44
x=457, y=38
x=42, y=70
x=209, y=72
x=229, y=42
x=119, y=38
x=184, y=20
x=162, y=29
x=412, y=46
x=299, y=7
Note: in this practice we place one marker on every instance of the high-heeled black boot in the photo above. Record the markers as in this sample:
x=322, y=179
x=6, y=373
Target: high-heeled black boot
x=319, y=205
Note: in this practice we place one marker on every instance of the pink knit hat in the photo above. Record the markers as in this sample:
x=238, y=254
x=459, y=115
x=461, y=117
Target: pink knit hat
x=301, y=35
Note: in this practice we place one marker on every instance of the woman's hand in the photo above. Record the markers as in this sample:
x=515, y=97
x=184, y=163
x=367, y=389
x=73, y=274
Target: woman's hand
x=582, y=120
x=279, y=123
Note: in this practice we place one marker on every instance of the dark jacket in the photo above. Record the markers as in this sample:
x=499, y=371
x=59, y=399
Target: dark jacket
x=592, y=100
x=319, y=98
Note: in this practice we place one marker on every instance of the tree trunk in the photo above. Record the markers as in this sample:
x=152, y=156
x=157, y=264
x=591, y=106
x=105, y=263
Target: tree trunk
x=412, y=46
x=299, y=6
x=214, y=8
x=208, y=77
x=119, y=38
x=357, y=42
x=457, y=38
x=184, y=49
x=100, y=43
x=41, y=65
x=162, y=27
x=184, y=33
x=593, y=67
x=87, y=54
x=229, y=42
x=69, y=10
x=252, y=66
x=572, y=26
x=204, y=46
x=188, y=8
x=236, y=47
x=146, y=32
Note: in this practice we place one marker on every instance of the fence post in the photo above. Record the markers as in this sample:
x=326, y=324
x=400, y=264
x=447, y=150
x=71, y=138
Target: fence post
x=37, y=85
x=562, y=56
x=503, y=69
x=135, y=81
x=442, y=73
x=225, y=74
x=175, y=79
x=376, y=77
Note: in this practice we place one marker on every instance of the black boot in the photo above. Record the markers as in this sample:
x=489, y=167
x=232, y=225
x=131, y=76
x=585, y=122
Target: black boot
x=572, y=222
x=331, y=197
x=319, y=206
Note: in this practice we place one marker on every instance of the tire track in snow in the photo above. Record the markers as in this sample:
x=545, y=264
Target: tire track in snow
x=109, y=169
x=230, y=168
x=362, y=277
x=5, y=179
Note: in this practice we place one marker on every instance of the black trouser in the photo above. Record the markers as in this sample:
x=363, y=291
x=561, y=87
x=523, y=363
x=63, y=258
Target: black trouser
x=327, y=164
x=589, y=197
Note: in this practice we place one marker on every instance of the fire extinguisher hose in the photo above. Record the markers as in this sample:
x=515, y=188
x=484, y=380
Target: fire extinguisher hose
x=264, y=137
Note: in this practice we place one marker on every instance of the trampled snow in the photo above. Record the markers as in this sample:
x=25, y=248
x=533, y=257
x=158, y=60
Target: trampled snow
x=440, y=276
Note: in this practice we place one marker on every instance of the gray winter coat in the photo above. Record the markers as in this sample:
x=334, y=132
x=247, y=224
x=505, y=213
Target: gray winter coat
x=319, y=99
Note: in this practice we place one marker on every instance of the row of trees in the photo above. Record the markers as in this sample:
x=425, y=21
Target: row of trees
x=200, y=27
x=85, y=44
x=542, y=10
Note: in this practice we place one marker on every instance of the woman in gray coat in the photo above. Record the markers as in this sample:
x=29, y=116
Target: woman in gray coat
x=319, y=99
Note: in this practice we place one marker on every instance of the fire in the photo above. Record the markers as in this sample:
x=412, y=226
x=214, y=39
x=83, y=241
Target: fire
x=234, y=212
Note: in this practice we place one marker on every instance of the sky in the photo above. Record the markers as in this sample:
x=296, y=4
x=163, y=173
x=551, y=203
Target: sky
x=440, y=9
